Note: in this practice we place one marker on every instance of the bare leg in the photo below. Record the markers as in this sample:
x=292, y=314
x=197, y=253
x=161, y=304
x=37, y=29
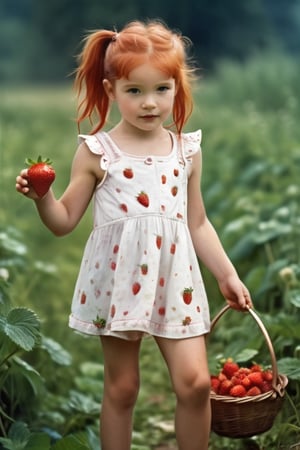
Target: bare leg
x=187, y=363
x=121, y=386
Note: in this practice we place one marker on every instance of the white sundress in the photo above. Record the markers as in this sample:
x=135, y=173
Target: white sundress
x=139, y=272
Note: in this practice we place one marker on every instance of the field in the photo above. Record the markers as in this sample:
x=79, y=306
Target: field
x=251, y=154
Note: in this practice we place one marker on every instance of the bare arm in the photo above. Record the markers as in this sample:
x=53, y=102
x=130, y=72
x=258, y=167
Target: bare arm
x=208, y=246
x=62, y=215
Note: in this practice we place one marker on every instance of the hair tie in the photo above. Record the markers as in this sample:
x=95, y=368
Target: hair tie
x=115, y=37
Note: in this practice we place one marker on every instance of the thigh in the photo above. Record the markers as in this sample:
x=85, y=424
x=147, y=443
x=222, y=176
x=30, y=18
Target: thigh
x=186, y=358
x=121, y=357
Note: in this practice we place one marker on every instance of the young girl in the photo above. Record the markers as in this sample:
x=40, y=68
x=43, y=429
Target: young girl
x=140, y=274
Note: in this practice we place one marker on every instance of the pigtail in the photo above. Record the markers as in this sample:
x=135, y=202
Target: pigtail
x=89, y=78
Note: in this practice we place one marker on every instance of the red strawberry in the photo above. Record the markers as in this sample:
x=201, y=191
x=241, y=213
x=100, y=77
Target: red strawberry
x=215, y=383
x=162, y=281
x=99, y=322
x=113, y=265
x=267, y=375
x=254, y=391
x=124, y=207
x=173, y=248
x=158, y=241
x=230, y=367
x=225, y=387
x=237, y=391
x=256, y=368
x=163, y=179
x=174, y=191
x=128, y=172
x=162, y=311
x=187, y=295
x=256, y=378
x=176, y=172
x=136, y=288
x=40, y=175
x=266, y=386
x=144, y=269
x=143, y=199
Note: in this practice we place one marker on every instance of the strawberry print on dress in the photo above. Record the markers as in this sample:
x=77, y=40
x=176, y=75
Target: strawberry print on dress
x=139, y=272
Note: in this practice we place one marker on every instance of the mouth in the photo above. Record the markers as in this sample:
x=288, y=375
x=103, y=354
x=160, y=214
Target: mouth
x=149, y=116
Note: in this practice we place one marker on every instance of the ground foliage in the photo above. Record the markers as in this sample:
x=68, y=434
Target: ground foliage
x=51, y=378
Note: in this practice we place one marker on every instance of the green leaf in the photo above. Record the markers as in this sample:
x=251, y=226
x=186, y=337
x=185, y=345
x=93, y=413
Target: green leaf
x=83, y=404
x=38, y=441
x=247, y=354
x=290, y=367
x=18, y=436
x=294, y=297
x=24, y=370
x=57, y=353
x=73, y=442
x=22, y=326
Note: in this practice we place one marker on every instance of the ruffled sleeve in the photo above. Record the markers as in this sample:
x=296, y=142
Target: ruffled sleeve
x=191, y=143
x=95, y=145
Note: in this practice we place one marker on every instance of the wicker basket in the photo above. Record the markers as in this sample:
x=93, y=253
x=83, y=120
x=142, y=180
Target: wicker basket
x=248, y=416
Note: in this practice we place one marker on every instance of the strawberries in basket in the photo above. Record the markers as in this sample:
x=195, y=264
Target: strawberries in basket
x=236, y=381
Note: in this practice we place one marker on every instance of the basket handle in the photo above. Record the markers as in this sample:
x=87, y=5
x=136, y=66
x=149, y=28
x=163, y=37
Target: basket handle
x=277, y=385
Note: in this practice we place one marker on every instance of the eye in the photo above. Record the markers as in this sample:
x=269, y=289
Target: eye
x=133, y=91
x=163, y=88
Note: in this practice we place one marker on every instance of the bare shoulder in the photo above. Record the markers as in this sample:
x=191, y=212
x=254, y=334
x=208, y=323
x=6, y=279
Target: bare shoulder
x=87, y=162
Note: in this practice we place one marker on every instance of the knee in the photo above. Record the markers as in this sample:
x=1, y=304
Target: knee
x=194, y=387
x=123, y=391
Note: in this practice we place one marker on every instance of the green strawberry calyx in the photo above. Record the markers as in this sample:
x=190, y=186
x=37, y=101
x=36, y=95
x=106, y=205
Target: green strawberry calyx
x=39, y=160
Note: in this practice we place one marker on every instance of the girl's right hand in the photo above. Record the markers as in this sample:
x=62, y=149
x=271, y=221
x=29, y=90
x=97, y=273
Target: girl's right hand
x=23, y=186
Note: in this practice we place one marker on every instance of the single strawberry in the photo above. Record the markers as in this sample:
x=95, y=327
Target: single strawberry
x=113, y=265
x=99, y=322
x=174, y=191
x=161, y=281
x=215, y=383
x=158, y=241
x=266, y=386
x=173, y=248
x=237, y=391
x=267, y=375
x=253, y=391
x=256, y=378
x=246, y=382
x=163, y=179
x=162, y=311
x=230, y=368
x=128, y=172
x=187, y=295
x=186, y=321
x=256, y=368
x=136, y=288
x=123, y=207
x=144, y=269
x=225, y=387
x=143, y=199
x=40, y=175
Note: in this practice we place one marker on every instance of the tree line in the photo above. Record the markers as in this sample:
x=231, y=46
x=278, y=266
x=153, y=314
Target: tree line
x=39, y=39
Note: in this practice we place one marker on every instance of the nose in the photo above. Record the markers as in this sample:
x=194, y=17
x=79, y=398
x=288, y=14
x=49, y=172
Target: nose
x=148, y=102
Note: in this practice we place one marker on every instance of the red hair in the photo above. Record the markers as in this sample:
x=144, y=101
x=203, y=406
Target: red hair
x=111, y=55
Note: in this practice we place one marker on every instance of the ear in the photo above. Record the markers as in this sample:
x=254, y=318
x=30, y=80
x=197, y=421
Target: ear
x=109, y=89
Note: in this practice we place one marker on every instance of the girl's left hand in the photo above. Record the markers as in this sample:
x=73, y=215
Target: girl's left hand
x=236, y=294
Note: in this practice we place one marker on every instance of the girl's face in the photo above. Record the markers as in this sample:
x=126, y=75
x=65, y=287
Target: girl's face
x=145, y=100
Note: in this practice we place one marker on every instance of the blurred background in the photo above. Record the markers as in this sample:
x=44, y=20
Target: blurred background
x=247, y=102
x=39, y=39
